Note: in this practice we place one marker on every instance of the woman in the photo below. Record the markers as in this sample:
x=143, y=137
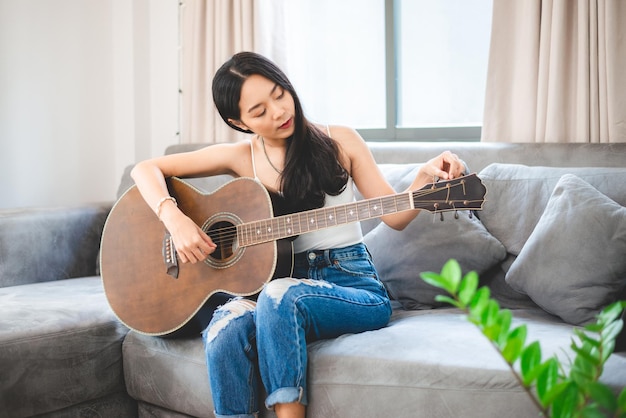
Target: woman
x=335, y=288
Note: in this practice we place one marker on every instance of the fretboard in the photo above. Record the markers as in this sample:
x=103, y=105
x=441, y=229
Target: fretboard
x=285, y=226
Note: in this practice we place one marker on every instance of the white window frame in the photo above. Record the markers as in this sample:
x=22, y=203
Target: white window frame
x=392, y=132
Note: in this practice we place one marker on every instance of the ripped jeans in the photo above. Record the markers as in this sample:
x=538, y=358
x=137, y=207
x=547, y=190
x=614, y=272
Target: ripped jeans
x=249, y=344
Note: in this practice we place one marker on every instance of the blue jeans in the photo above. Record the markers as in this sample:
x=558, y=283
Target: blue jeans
x=249, y=344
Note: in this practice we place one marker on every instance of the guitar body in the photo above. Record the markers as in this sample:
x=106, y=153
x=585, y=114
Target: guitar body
x=152, y=296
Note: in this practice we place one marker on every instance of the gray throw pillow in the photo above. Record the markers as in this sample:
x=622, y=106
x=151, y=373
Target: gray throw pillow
x=517, y=196
x=574, y=262
x=425, y=245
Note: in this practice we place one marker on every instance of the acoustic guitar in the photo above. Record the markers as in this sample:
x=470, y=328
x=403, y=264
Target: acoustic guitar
x=150, y=292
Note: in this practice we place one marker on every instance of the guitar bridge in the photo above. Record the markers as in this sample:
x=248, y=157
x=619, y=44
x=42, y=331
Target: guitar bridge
x=169, y=256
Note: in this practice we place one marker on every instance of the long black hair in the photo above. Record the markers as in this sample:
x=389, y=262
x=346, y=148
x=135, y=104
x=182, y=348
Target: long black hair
x=312, y=168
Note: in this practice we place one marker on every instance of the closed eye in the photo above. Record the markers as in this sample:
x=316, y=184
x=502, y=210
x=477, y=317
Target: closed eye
x=281, y=95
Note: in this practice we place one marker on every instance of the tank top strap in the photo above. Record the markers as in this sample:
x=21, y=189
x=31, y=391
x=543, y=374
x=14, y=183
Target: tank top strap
x=328, y=131
x=253, y=163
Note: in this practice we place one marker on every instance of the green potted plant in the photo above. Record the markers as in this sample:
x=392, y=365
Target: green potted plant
x=557, y=392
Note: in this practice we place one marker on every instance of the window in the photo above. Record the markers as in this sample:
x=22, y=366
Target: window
x=393, y=69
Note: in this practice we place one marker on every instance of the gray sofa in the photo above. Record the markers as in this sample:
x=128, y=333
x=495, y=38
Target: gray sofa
x=549, y=243
x=60, y=344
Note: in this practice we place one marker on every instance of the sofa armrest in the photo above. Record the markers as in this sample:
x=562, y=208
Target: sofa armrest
x=45, y=244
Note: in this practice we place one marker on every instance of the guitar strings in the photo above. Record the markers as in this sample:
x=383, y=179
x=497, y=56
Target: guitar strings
x=229, y=233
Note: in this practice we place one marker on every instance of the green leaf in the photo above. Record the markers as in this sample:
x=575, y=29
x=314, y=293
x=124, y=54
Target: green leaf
x=479, y=303
x=451, y=272
x=608, y=349
x=611, y=312
x=529, y=360
x=433, y=279
x=512, y=348
x=547, y=378
x=621, y=410
x=505, y=318
x=592, y=411
x=492, y=332
x=612, y=330
x=583, y=371
x=602, y=395
x=585, y=355
x=594, y=327
x=587, y=339
x=562, y=398
x=489, y=316
x=449, y=300
x=520, y=332
x=468, y=287
x=621, y=401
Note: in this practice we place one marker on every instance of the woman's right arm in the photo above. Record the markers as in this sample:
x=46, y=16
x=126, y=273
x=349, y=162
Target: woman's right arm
x=192, y=244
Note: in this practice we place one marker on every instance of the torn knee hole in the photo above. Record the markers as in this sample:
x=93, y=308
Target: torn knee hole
x=276, y=289
x=230, y=311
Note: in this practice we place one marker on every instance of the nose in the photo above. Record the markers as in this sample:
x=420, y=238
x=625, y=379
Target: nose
x=277, y=111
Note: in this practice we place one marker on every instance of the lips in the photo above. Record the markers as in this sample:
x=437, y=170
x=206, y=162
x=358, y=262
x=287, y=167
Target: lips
x=287, y=124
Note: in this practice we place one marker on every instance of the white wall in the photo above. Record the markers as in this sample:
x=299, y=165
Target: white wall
x=86, y=88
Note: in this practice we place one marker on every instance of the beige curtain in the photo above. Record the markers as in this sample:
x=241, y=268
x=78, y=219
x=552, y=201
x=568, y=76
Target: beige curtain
x=557, y=72
x=211, y=32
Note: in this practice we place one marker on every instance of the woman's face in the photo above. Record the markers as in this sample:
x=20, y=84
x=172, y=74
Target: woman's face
x=266, y=108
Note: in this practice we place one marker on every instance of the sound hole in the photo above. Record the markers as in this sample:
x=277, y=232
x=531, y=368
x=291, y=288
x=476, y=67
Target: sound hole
x=223, y=231
x=223, y=235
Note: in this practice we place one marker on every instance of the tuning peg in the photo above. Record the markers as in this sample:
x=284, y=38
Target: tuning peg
x=456, y=214
x=471, y=214
x=441, y=216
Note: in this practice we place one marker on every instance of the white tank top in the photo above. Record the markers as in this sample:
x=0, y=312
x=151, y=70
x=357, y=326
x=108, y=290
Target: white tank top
x=333, y=237
x=336, y=236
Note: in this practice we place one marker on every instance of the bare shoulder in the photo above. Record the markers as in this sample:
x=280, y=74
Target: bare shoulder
x=344, y=134
x=353, y=149
x=223, y=158
x=350, y=141
x=230, y=158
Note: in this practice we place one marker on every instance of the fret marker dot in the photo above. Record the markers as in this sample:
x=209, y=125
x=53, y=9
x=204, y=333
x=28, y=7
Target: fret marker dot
x=312, y=220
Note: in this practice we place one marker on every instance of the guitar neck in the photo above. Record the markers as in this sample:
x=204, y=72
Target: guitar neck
x=463, y=193
x=290, y=225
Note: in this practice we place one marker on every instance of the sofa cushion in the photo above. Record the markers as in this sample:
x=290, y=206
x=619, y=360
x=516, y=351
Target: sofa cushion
x=425, y=245
x=41, y=244
x=423, y=364
x=60, y=345
x=574, y=263
x=170, y=373
x=431, y=363
x=518, y=194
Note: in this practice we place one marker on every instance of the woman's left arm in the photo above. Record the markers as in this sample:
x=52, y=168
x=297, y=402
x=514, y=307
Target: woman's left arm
x=358, y=159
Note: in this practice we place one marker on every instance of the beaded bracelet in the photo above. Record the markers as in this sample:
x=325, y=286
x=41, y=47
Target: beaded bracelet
x=158, y=206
